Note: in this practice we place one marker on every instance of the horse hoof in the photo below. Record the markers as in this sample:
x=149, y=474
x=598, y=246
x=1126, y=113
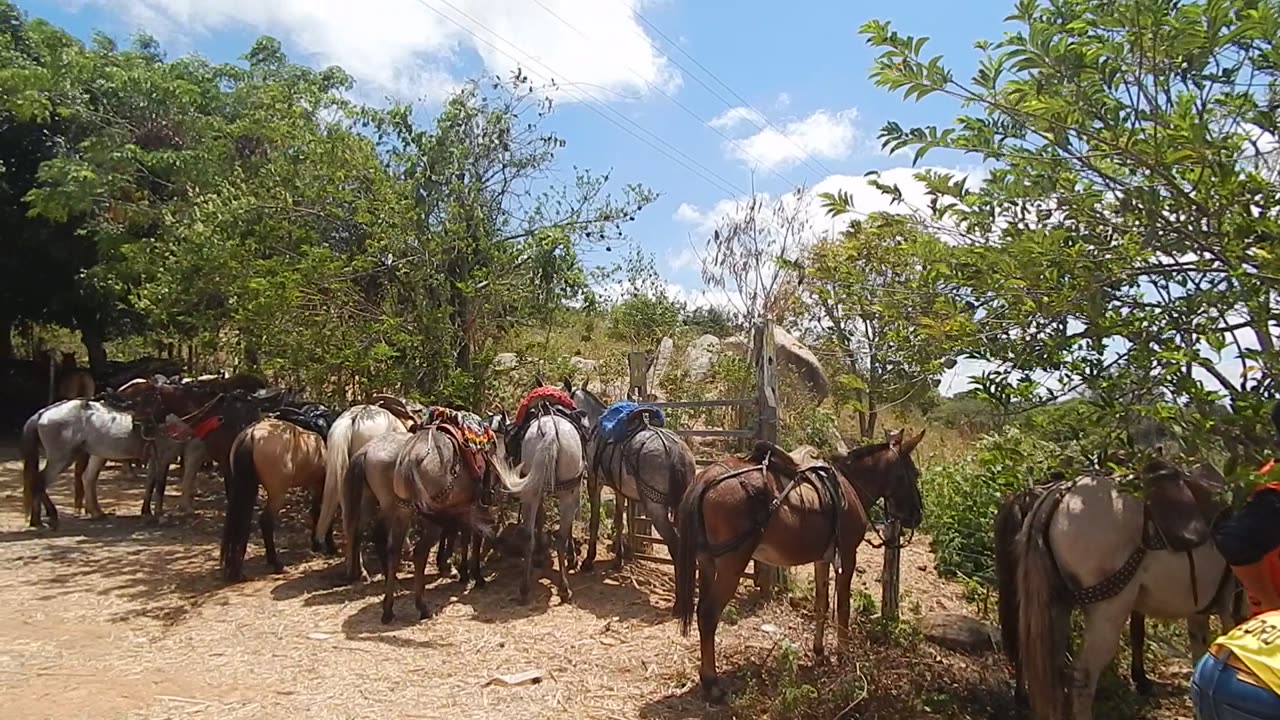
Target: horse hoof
x=277, y=569
x=1144, y=687
x=588, y=566
x=150, y=519
x=480, y=583
x=713, y=692
x=424, y=612
x=387, y=616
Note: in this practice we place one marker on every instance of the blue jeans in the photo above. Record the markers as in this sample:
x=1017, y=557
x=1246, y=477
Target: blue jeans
x=1216, y=694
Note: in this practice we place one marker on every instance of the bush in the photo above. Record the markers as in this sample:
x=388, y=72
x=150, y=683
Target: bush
x=962, y=497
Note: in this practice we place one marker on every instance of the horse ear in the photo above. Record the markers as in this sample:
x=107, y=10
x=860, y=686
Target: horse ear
x=568, y=386
x=894, y=438
x=906, y=446
x=1209, y=475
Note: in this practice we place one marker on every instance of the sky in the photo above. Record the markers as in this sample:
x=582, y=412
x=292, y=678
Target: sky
x=702, y=101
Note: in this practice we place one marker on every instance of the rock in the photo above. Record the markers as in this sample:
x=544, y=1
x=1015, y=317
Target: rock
x=584, y=366
x=793, y=352
x=961, y=633
x=505, y=361
x=661, y=361
x=737, y=345
x=700, y=356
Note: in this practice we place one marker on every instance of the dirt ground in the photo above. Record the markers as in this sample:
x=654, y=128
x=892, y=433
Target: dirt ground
x=117, y=619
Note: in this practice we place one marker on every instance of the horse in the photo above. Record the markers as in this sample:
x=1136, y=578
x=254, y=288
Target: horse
x=554, y=449
x=1008, y=523
x=431, y=477
x=1088, y=542
x=651, y=466
x=769, y=506
x=353, y=429
x=277, y=455
x=74, y=381
x=87, y=433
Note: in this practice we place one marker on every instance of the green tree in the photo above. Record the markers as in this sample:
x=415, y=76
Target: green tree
x=1125, y=234
x=881, y=294
x=645, y=313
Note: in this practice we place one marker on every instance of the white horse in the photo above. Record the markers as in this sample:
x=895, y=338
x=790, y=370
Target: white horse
x=70, y=430
x=554, y=454
x=351, y=431
x=1083, y=544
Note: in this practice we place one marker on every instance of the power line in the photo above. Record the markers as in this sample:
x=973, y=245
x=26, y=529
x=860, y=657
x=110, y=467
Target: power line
x=674, y=101
x=702, y=171
x=744, y=103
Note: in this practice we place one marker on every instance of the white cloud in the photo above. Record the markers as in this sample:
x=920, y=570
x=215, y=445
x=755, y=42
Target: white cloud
x=736, y=116
x=783, y=101
x=824, y=135
x=404, y=48
x=686, y=259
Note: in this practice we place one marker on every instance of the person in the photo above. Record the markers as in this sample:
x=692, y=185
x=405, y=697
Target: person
x=1239, y=678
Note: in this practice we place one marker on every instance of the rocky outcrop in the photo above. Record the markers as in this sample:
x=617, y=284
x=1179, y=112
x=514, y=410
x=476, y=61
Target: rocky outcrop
x=505, y=361
x=583, y=368
x=793, y=352
x=661, y=362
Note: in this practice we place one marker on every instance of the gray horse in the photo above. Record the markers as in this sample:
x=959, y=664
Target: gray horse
x=651, y=465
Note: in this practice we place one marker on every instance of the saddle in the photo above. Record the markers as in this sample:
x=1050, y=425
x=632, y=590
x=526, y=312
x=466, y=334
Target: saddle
x=624, y=419
x=395, y=406
x=312, y=417
x=543, y=401
x=1179, y=506
x=405, y=485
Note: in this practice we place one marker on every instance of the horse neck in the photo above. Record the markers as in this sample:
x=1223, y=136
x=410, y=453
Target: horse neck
x=591, y=404
x=867, y=478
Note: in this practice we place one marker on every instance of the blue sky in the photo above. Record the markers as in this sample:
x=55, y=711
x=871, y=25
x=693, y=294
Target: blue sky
x=802, y=66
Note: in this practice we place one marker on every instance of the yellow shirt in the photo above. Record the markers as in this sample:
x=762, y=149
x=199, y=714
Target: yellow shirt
x=1256, y=642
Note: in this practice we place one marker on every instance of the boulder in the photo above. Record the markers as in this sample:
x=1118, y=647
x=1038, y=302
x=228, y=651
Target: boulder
x=661, y=361
x=960, y=633
x=792, y=352
x=584, y=367
x=700, y=356
x=505, y=361
x=737, y=345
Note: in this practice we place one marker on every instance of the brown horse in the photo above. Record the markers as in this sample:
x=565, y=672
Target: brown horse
x=74, y=381
x=770, y=507
x=277, y=455
x=427, y=478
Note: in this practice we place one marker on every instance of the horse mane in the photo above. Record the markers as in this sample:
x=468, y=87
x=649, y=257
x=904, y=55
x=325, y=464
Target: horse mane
x=779, y=460
x=865, y=451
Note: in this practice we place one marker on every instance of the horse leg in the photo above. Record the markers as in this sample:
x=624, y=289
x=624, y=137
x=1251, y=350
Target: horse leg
x=717, y=584
x=662, y=524
x=53, y=467
x=90, y=469
x=477, y=544
x=1198, y=636
x=426, y=538
x=531, y=517
x=569, y=501
x=1103, y=625
x=844, y=584
x=445, y=550
x=267, y=521
x=82, y=460
x=192, y=454
x=619, y=548
x=352, y=535
x=593, y=524
x=1137, y=652
x=317, y=499
x=821, y=604
x=395, y=544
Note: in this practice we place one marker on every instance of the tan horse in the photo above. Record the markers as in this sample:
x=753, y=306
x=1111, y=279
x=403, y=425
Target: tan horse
x=785, y=511
x=278, y=456
x=74, y=381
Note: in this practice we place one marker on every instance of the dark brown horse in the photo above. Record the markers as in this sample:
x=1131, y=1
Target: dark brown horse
x=785, y=511
x=277, y=455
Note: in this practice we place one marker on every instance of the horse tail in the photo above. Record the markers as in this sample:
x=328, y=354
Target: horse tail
x=33, y=488
x=542, y=472
x=337, y=454
x=1043, y=613
x=682, y=474
x=1008, y=523
x=242, y=495
x=689, y=537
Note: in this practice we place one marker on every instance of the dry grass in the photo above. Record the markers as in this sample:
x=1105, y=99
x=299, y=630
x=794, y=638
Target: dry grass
x=115, y=619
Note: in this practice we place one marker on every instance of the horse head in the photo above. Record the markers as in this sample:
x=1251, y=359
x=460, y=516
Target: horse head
x=887, y=470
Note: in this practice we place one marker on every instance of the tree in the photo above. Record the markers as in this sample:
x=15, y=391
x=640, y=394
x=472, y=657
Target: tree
x=646, y=313
x=748, y=251
x=880, y=292
x=1124, y=236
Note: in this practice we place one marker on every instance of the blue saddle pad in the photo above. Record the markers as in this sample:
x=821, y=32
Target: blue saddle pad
x=614, y=423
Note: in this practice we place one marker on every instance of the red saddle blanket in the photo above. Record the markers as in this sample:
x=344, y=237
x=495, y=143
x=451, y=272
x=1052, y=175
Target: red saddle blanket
x=545, y=394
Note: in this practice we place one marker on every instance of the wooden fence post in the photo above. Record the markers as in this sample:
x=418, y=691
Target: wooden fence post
x=764, y=360
x=638, y=372
x=890, y=573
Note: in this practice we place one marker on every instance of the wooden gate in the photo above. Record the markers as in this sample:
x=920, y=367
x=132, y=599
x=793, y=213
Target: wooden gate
x=758, y=420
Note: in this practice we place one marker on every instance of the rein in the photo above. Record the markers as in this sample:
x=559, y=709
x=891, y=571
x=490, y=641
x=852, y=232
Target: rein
x=910, y=534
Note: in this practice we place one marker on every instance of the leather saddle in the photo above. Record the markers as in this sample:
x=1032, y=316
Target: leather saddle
x=395, y=406
x=313, y=417
x=406, y=485
x=1180, y=506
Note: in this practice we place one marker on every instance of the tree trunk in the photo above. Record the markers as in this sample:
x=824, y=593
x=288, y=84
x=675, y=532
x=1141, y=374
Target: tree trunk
x=96, y=347
x=6, y=338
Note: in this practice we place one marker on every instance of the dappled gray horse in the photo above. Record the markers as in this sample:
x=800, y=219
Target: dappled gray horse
x=651, y=466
